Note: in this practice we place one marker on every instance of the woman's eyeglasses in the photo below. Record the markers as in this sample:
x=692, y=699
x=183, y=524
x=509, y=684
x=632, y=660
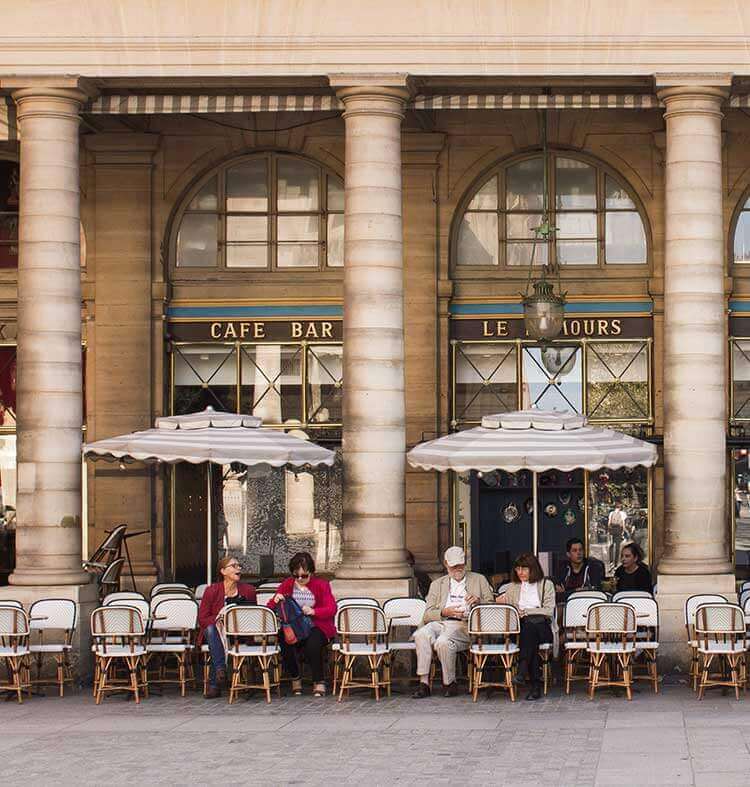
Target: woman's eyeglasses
x=302, y=576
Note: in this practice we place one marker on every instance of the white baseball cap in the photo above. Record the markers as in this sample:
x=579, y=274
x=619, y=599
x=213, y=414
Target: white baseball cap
x=454, y=556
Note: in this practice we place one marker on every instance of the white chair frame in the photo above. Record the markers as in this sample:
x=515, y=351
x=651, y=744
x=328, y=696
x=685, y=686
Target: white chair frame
x=53, y=614
x=14, y=649
x=500, y=624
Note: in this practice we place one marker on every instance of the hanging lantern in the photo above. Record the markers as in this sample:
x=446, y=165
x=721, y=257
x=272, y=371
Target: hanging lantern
x=543, y=308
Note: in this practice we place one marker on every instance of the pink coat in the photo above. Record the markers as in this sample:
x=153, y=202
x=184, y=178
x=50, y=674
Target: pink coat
x=324, y=610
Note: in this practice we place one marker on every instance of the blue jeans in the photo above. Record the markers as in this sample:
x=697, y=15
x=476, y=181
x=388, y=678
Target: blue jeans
x=216, y=649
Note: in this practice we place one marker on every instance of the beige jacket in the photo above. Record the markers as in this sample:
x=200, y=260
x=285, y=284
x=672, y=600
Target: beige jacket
x=476, y=585
x=547, y=595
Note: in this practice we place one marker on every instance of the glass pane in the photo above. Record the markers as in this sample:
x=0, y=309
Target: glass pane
x=7, y=386
x=742, y=238
x=520, y=253
x=247, y=256
x=247, y=187
x=325, y=374
x=522, y=225
x=616, y=197
x=204, y=374
x=335, y=193
x=297, y=255
x=741, y=478
x=7, y=487
x=617, y=381
x=523, y=185
x=576, y=225
x=197, y=241
x=740, y=379
x=552, y=378
x=625, y=238
x=298, y=185
x=298, y=228
x=477, y=239
x=575, y=184
x=608, y=533
x=335, y=246
x=272, y=382
x=486, y=197
x=485, y=380
x=247, y=228
x=207, y=198
x=575, y=253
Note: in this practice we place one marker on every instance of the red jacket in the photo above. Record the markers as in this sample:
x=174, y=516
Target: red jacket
x=213, y=601
x=324, y=610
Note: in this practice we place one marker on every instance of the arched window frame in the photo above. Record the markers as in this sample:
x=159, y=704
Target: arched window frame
x=221, y=270
x=499, y=170
x=741, y=210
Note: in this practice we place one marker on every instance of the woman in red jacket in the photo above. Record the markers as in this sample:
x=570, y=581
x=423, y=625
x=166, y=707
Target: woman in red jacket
x=315, y=598
x=228, y=590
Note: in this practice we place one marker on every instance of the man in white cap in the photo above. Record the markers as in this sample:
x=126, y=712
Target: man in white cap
x=445, y=620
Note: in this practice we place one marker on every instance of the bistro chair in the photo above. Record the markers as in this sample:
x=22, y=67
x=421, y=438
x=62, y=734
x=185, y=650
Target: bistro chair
x=170, y=587
x=14, y=648
x=53, y=615
x=404, y=613
x=599, y=595
x=575, y=639
x=358, y=601
x=108, y=551
x=262, y=597
x=721, y=631
x=623, y=595
x=171, y=634
x=611, y=630
x=647, y=638
x=744, y=596
x=691, y=605
x=11, y=602
x=109, y=581
x=363, y=634
x=199, y=591
x=252, y=633
x=494, y=630
x=119, y=633
x=119, y=595
x=269, y=586
x=140, y=604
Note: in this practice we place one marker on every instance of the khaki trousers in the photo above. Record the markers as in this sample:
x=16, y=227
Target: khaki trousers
x=447, y=639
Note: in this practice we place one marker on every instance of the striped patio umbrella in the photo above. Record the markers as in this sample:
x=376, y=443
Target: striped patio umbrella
x=533, y=440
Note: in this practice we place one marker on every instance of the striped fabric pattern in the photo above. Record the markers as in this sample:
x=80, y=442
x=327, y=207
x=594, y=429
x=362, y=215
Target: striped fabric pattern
x=538, y=101
x=538, y=449
x=185, y=104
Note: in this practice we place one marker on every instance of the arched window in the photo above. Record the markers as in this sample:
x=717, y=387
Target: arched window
x=742, y=233
x=266, y=212
x=595, y=214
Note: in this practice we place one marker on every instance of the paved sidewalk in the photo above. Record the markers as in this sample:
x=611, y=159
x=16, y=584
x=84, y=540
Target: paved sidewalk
x=656, y=740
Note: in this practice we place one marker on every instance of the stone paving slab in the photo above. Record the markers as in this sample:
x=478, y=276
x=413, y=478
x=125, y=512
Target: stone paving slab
x=667, y=739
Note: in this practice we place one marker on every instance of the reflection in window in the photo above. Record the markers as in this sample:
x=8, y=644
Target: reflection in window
x=742, y=234
x=204, y=375
x=607, y=534
x=266, y=212
x=325, y=379
x=485, y=380
x=272, y=382
x=595, y=217
x=740, y=379
x=741, y=502
x=553, y=378
x=617, y=385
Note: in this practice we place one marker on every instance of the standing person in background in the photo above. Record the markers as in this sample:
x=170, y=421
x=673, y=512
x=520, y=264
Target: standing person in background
x=616, y=527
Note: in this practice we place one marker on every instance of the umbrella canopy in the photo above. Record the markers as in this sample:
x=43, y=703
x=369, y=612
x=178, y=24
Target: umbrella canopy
x=532, y=440
x=209, y=436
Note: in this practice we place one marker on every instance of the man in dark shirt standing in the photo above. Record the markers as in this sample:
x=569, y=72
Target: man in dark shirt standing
x=578, y=571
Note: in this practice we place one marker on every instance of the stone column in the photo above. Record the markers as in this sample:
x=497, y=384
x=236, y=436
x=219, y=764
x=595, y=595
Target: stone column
x=48, y=537
x=696, y=537
x=374, y=439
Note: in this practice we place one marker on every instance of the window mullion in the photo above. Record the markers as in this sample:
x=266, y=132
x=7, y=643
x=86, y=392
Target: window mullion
x=273, y=213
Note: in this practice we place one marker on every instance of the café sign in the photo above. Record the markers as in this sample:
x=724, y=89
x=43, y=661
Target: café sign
x=573, y=328
x=272, y=331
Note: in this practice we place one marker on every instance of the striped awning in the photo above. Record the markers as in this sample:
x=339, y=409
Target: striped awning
x=532, y=440
x=220, y=438
x=188, y=104
x=537, y=101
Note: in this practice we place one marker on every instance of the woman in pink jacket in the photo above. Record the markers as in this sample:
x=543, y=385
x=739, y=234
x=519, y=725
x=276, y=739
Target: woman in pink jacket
x=315, y=598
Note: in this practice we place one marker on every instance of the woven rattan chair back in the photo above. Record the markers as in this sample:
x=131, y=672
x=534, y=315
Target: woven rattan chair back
x=494, y=620
x=117, y=621
x=8, y=602
x=611, y=618
x=362, y=620
x=241, y=621
x=623, y=595
x=139, y=603
x=399, y=608
x=174, y=614
x=120, y=595
x=357, y=601
x=199, y=591
x=719, y=619
x=53, y=613
x=646, y=611
x=693, y=602
x=170, y=587
x=14, y=623
x=263, y=597
x=598, y=595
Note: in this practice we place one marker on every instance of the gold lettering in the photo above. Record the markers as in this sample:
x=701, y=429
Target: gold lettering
x=216, y=330
x=616, y=327
x=244, y=328
x=229, y=331
x=602, y=327
x=588, y=327
x=326, y=330
x=486, y=328
x=502, y=327
x=259, y=330
x=296, y=330
x=575, y=327
x=311, y=332
x=565, y=327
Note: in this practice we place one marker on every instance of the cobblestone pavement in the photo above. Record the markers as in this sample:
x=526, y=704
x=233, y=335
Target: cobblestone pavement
x=667, y=739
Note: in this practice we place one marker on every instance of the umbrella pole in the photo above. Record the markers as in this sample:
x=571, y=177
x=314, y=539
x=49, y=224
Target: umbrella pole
x=535, y=502
x=208, y=525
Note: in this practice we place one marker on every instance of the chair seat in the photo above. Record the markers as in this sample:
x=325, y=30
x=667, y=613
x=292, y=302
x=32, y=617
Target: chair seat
x=493, y=648
x=205, y=648
x=545, y=646
x=119, y=651
x=51, y=647
x=168, y=647
x=649, y=645
x=403, y=645
x=336, y=646
x=576, y=645
x=253, y=650
x=364, y=649
x=610, y=647
x=6, y=650
x=722, y=647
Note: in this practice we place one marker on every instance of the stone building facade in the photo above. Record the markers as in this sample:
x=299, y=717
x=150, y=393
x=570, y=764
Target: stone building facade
x=324, y=217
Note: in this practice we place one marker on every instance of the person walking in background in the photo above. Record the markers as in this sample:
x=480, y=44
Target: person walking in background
x=616, y=528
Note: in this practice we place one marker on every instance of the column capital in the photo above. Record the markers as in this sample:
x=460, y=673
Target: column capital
x=372, y=94
x=74, y=88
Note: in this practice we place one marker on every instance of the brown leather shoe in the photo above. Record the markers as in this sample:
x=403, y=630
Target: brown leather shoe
x=423, y=690
x=221, y=677
x=213, y=692
x=451, y=690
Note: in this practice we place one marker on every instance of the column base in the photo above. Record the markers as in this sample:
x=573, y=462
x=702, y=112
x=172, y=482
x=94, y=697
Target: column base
x=25, y=577
x=380, y=589
x=673, y=591
x=86, y=599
